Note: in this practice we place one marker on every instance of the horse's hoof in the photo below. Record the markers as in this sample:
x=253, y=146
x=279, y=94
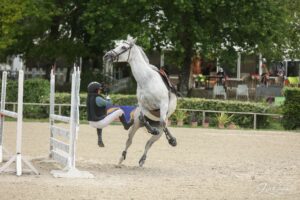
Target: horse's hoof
x=100, y=144
x=172, y=142
x=142, y=160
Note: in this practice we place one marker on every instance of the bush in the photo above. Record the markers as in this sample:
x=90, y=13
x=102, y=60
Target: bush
x=291, y=108
x=188, y=103
x=35, y=91
x=245, y=121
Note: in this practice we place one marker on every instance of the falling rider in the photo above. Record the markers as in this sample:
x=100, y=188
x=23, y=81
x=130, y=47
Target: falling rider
x=97, y=110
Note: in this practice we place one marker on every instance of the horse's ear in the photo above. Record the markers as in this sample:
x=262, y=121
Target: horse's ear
x=129, y=38
x=134, y=40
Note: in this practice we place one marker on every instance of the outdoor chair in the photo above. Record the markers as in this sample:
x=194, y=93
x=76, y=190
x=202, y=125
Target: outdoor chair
x=219, y=91
x=242, y=90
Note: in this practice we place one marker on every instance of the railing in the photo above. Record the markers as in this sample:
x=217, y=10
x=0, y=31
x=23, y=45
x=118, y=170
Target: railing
x=14, y=104
x=232, y=112
x=188, y=110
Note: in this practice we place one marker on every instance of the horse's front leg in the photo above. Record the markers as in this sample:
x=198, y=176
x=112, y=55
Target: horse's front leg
x=150, y=142
x=131, y=134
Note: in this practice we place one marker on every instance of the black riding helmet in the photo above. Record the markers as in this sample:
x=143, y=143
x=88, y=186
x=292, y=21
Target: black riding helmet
x=93, y=87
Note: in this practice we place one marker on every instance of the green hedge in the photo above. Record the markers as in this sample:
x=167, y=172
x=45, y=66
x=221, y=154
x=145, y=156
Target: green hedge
x=35, y=91
x=291, y=108
x=189, y=103
x=245, y=121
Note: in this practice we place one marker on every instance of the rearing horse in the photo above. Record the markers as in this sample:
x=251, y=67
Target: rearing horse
x=156, y=102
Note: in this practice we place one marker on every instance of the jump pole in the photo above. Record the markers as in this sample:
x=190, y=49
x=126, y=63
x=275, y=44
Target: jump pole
x=65, y=153
x=17, y=158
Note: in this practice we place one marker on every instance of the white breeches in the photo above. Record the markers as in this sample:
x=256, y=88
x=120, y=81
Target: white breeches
x=107, y=120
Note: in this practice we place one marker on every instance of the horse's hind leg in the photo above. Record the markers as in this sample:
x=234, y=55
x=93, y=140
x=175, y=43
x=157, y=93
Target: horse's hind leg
x=150, y=142
x=163, y=114
x=131, y=134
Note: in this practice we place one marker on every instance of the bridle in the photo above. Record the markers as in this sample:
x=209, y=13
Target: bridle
x=116, y=55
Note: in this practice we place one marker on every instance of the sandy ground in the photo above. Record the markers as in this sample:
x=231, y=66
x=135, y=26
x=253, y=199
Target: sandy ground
x=206, y=164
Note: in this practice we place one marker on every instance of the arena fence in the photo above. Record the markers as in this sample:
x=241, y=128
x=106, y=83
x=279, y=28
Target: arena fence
x=204, y=112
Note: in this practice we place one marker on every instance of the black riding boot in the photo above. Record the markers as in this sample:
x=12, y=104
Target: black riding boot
x=100, y=141
x=125, y=123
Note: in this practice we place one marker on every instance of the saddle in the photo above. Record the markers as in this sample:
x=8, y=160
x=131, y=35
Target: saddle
x=167, y=82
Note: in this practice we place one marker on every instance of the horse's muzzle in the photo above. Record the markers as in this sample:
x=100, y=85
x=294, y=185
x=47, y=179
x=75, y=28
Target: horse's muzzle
x=109, y=57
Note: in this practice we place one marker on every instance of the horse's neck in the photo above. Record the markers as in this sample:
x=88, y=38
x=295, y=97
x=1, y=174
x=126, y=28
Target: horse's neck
x=139, y=67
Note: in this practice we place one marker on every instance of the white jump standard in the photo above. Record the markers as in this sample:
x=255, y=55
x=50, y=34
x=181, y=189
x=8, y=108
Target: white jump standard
x=19, y=116
x=63, y=152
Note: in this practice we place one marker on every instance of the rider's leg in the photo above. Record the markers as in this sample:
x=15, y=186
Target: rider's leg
x=110, y=118
x=126, y=124
x=100, y=141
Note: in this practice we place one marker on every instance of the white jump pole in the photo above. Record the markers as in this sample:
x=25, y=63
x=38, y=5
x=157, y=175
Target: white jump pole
x=68, y=157
x=19, y=115
x=3, y=95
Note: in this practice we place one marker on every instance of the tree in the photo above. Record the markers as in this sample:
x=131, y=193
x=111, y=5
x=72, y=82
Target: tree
x=50, y=31
x=42, y=31
x=211, y=26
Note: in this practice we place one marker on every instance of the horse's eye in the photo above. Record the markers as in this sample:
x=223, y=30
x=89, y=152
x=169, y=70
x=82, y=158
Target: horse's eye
x=123, y=47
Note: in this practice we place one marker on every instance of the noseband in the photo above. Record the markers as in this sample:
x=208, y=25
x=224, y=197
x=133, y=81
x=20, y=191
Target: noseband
x=116, y=55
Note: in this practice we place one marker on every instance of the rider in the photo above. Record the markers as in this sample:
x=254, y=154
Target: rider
x=97, y=113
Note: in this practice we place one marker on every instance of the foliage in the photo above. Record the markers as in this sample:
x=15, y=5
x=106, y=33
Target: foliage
x=46, y=32
x=193, y=117
x=245, y=121
x=291, y=108
x=210, y=27
x=35, y=91
x=180, y=115
x=223, y=118
x=221, y=105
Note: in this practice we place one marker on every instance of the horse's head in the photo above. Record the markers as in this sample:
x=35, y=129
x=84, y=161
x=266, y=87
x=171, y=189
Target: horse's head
x=121, y=52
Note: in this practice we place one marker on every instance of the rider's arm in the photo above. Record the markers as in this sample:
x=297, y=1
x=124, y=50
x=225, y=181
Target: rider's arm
x=102, y=102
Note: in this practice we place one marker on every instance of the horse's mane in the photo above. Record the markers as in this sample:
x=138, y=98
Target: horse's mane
x=132, y=41
x=143, y=54
x=146, y=58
